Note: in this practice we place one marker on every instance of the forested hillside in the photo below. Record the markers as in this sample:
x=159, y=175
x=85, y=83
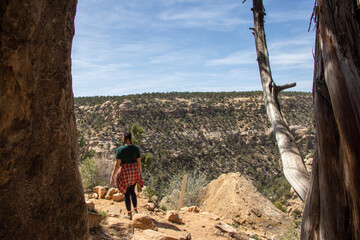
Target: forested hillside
x=211, y=133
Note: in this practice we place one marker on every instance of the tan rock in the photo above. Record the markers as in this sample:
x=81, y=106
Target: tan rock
x=93, y=195
x=153, y=235
x=193, y=209
x=173, y=216
x=144, y=222
x=94, y=219
x=244, y=204
x=110, y=193
x=150, y=206
x=225, y=227
x=101, y=191
x=117, y=197
x=155, y=199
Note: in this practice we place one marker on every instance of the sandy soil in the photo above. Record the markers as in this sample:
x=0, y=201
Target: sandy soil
x=118, y=226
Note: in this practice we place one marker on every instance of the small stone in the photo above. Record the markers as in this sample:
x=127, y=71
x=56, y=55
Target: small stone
x=225, y=227
x=150, y=206
x=93, y=195
x=144, y=222
x=173, y=216
x=155, y=199
x=110, y=193
x=193, y=209
x=117, y=197
x=256, y=212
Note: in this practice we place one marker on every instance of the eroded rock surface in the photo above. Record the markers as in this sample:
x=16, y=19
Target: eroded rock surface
x=232, y=196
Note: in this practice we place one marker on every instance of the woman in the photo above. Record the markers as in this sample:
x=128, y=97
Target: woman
x=128, y=159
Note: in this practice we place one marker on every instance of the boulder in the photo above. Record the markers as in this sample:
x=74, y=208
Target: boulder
x=110, y=193
x=153, y=235
x=243, y=204
x=150, y=206
x=117, y=197
x=101, y=191
x=144, y=222
x=173, y=216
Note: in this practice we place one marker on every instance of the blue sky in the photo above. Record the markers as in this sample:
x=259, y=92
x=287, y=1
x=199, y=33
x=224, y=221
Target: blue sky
x=126, y=47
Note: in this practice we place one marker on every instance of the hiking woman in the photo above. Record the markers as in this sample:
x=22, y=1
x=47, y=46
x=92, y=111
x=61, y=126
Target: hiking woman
x=130, y=174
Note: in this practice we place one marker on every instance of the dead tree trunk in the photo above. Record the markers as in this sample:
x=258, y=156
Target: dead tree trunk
x=332, y=209
x=293, y=165
x=41, y=195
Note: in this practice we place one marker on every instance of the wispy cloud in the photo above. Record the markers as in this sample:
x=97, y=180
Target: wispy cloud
x=287, y=16
x=236, y=58
x=220, y=17
x=124, y=47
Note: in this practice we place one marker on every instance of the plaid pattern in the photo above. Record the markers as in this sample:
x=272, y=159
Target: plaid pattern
x=128, y=175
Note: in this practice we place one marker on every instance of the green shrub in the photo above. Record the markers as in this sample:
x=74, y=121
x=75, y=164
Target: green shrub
x=89, y=174
x=293, y=231
x=149, y=192
x=280, y=206
x=194, y=186
x=103, y=214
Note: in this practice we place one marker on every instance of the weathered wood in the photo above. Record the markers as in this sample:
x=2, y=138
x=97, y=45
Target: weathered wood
x=332, y=209
x=293, y=165
x=183, y=187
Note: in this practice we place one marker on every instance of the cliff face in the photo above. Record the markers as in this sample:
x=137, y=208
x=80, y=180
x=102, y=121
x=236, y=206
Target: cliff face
x=40, y=187
x=212, y=133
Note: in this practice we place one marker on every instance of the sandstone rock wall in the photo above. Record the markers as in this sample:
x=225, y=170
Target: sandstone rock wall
x=40, y=188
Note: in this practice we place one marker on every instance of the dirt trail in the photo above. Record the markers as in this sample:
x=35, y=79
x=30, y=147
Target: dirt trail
x=118, y=226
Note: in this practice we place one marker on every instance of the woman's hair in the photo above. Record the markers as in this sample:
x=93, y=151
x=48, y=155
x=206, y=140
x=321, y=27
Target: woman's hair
x=126, y=135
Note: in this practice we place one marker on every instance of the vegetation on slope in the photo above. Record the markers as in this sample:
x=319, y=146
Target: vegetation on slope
x=212, y=133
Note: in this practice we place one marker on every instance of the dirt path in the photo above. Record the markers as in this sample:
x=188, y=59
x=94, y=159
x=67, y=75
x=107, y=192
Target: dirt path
x=118, y=226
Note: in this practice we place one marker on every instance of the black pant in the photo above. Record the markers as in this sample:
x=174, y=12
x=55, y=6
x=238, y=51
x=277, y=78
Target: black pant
x=130, y=193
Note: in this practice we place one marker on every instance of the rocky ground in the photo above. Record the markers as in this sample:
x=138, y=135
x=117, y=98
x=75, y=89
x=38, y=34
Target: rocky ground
x=231, y=208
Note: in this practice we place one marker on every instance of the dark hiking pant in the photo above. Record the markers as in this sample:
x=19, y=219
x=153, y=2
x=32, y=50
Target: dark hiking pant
x=130, y=193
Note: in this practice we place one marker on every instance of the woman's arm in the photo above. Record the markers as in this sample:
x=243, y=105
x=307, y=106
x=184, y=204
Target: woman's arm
x=138, y=160
x=116, y=168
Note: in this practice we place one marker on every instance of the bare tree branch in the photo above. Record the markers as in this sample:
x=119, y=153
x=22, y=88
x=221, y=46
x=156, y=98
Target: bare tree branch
x=293, y=165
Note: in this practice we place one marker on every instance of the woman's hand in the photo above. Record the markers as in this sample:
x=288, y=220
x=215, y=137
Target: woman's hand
x=111, y=181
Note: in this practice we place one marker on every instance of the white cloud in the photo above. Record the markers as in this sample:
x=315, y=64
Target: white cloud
x=236, y=58
x=180, y=58
x=287, y=16
x=220, y=17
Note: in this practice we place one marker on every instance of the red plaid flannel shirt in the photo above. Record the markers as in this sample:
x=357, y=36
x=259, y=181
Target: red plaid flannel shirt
x=128, y=175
